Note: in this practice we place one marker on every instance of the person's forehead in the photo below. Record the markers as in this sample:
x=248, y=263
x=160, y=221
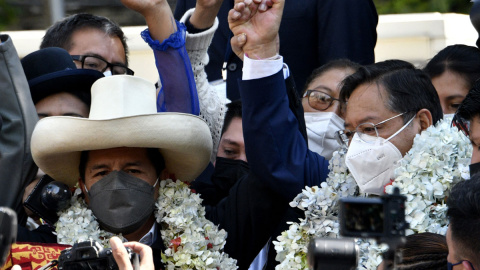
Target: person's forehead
x=329, y=81
x=367, y=103
x=62, y=103
x=116, y=155
x=234, y=132
x=92, y=41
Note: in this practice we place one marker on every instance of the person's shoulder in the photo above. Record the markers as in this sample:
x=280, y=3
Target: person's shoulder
x=318, y=165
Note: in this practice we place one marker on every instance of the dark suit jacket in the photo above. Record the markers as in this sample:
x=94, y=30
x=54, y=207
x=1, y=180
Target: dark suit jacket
x=280, y=167
x=312, y=33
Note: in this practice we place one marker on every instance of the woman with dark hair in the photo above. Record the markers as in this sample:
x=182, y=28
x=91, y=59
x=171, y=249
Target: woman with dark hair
x=322, y=107
x=427, y=251
x=453, y=71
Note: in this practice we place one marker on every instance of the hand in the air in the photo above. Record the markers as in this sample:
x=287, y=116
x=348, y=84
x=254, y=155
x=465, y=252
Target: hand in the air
x=143, y=7
x=157, y=14
x=260, y=21
x=205, y=12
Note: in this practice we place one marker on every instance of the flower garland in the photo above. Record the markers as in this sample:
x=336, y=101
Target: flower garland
x=192, y=241
x=438, y=159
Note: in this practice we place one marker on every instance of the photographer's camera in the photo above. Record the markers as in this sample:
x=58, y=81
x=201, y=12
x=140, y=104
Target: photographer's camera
x=382, y=219
x=91, y=255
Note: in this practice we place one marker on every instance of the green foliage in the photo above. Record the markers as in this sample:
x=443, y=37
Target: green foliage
x=8, y=14
x=416, y=6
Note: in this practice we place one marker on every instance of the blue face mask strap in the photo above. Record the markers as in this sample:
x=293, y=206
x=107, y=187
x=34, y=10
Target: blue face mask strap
x=400, y=130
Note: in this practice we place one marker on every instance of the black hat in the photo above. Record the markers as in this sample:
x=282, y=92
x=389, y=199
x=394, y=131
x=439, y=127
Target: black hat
x=51, y=70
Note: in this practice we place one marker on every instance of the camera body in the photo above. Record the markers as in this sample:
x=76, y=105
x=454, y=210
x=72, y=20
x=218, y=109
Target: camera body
x=47, y=198
x=91, y=255
x=382, y=218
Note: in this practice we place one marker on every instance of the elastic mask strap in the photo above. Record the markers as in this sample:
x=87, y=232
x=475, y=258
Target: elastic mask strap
x=400, y=130
x=156, y=182
x=86, y=190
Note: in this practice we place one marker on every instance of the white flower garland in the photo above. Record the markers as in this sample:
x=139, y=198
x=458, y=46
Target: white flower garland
x=438, y=159
x=192, y=241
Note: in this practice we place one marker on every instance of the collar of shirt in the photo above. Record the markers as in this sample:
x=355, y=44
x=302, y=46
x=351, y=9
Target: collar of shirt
x=149, y=238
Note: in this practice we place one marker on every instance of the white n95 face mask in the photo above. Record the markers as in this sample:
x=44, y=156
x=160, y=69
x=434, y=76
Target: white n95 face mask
x=373, y=163
x=448, y=117
x=321, y=128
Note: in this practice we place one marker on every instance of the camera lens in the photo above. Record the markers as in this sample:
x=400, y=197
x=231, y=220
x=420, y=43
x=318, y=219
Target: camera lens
x=56, y=196
x=332, y=254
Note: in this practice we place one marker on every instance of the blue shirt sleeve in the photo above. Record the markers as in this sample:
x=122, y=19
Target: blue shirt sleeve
x=276, y=150
x=178, y=92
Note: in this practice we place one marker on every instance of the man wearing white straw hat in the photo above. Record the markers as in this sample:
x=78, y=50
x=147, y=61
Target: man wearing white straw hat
x=119, y=157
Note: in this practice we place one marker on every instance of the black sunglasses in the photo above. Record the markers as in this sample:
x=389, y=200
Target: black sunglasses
x=100, y=64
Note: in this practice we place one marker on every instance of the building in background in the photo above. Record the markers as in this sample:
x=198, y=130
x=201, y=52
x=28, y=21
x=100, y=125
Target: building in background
x=412, y=37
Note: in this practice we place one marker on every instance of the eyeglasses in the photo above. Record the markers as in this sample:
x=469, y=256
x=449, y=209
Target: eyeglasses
x=99, y=64
x=367, y=132
x=319, y=100
x=451, y=265
x=462, y=124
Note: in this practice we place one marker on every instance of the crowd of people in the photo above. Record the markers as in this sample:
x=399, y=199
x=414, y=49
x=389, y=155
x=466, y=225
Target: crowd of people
x=190, y=179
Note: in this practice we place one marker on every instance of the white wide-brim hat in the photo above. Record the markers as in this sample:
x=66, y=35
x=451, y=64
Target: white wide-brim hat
x=123, y=114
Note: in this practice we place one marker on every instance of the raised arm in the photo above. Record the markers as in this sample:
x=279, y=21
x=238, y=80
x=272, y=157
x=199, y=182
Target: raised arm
x=166, y=37
x=276, y=150
x=201, y=25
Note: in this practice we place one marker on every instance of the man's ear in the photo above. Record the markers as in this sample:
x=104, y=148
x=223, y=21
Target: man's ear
x=81, y=184
x=467, y=265
x=425, y=118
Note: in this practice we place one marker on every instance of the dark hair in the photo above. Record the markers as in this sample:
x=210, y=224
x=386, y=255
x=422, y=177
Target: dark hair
x=153, y=155
x=470, y=106
x=461, y=59
x=464, y=216
x=409, y=89
x=234, y=109
x=423, y=251
x=334, y=64
x=60, y=33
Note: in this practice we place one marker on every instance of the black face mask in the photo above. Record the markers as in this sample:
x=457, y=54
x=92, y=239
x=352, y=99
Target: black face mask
x=122, y=203
x=474, y=168
x=227, y=172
